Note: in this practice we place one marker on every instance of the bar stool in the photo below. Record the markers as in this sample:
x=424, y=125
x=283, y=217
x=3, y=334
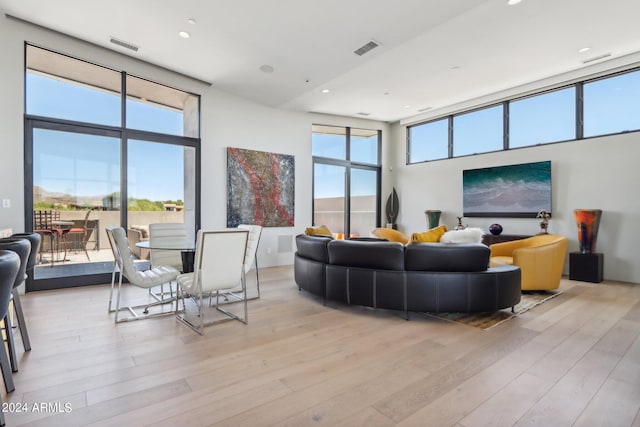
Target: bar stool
x=9, y=267
x=22, y=247
x=36, y=241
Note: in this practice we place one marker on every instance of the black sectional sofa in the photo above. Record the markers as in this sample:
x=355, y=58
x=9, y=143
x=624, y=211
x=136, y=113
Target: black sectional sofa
x=433, y=277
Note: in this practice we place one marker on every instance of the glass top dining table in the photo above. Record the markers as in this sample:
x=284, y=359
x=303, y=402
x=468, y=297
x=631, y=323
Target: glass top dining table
x=188, y=252
x=146, y=244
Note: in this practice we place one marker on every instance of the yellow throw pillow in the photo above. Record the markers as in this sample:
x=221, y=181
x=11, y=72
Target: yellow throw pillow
x=322, y=230
x=432, y=236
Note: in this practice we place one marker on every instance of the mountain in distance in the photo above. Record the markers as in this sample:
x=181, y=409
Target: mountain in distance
x=40, y=195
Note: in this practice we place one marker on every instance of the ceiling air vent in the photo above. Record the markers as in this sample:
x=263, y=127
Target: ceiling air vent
x=366, y=48
x=596, y=58
x=362, y=113
x=124, y=44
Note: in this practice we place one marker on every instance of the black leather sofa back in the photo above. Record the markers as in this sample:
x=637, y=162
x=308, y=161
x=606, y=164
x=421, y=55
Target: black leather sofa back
x=377, y=255
x=446, y=257
x=314, y=248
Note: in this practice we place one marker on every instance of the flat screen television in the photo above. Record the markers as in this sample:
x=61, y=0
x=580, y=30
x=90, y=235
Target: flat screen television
x=516, y=191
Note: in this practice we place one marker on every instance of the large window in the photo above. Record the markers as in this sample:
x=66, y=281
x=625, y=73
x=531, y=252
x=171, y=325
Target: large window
x=611, y=105
x=99, y=161
x=162, y=109
x=600, y=106
x=329, y=142
x=429, y=141
x=346, y=179
x=478, y=131
x=364, y=146
x=61, y=87
x=548, y=117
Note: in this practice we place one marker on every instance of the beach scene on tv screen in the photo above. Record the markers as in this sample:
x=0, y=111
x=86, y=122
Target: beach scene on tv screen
x=513, y=190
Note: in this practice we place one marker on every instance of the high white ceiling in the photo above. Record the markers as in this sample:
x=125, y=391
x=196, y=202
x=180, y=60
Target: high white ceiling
x=432, y=53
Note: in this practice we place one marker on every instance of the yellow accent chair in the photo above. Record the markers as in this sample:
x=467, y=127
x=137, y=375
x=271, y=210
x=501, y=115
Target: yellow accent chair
x=540, y=258
x=390, y=234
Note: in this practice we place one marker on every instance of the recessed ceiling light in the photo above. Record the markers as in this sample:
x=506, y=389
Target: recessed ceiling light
x=184, y=34
x=513, y=2
x=192, y=21
x=407, y=106
x=584, y=49
x=267, y=69
x=325, y=91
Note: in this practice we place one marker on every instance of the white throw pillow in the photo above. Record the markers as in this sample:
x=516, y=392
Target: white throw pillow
x=468, y=235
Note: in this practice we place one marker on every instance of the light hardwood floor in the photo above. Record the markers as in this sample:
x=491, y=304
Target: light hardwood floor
x=575, y=360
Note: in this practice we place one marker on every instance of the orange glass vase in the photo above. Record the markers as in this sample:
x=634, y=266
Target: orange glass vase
x=588, y=221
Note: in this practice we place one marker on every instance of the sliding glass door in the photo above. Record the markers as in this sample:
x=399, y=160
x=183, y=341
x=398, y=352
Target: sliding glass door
x=160, y=188
x=102, y=148
x=75, y=195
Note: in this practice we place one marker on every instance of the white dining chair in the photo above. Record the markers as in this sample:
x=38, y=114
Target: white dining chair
x=251, y=258
x=219, y=267
x=166, y=234
x=124, y=266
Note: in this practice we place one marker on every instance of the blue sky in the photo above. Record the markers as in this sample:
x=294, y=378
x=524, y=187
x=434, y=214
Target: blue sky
x=329, y=180
x=85, y=165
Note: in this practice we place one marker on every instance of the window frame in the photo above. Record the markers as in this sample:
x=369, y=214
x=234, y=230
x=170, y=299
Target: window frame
x=452, y=133
x=579, y=117
x=124, y=134
x=534, y=95
x=410, y=148
x=349, y=165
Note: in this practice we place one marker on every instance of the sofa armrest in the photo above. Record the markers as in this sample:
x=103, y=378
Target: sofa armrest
x=506, y=248
x=541, y=265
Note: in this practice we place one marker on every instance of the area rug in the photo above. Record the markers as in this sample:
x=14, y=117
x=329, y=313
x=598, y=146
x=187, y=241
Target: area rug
x=486, y=321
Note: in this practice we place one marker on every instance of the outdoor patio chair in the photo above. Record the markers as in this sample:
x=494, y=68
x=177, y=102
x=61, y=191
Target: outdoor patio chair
x=81, y=235
x=43, y=225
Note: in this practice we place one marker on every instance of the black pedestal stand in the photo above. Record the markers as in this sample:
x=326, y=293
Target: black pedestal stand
x=586, y=267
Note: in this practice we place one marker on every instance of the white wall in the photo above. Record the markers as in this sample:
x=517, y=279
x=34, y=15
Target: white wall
x=599, y=173
x=595, y=173
x=226, y=121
